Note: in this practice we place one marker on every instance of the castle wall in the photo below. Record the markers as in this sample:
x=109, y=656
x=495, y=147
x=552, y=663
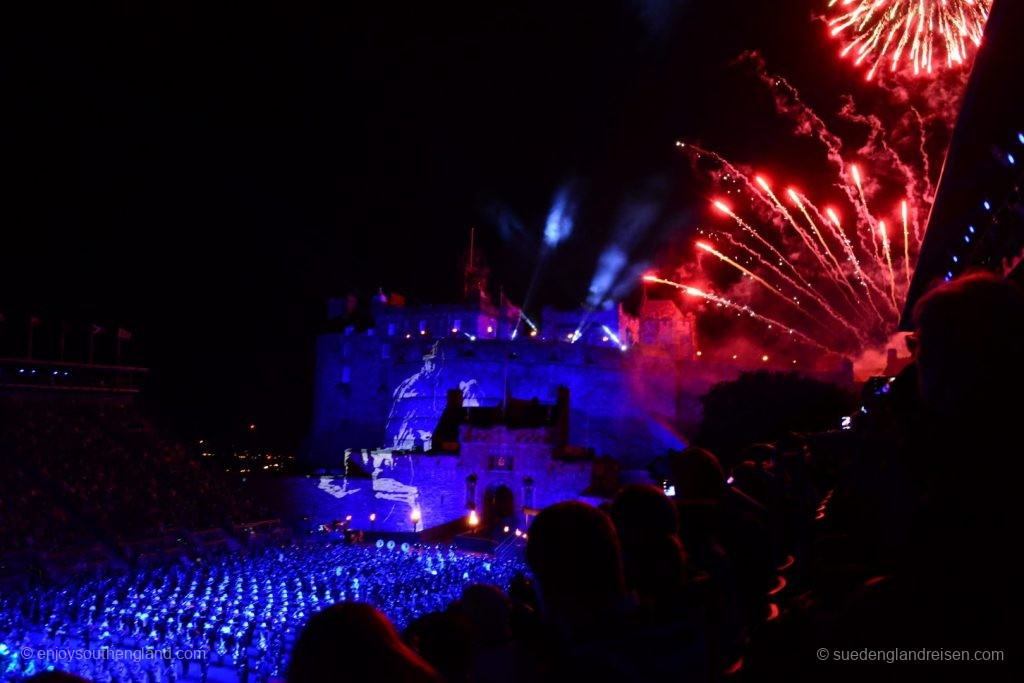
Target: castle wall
x=381, y=390
x=438, y=485
x=396, y=391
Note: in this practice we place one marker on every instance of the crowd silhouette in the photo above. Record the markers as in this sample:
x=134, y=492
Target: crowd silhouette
x=82, y=470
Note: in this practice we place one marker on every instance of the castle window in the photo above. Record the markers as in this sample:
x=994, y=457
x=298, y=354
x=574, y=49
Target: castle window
x=346, y=350
x=391, y=329
x=528, y=492
x=385, y=351
x=471, y=492
x=501, y=462
x=346, y=375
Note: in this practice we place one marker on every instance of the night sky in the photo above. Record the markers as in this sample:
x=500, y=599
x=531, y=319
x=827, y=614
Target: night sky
x=205, y=177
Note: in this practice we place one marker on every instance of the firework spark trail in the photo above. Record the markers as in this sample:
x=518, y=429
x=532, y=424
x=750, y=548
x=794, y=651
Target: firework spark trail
x=794, y=284
x=775, y=205
x=714, y=298
x=794, y=197
x=728, y=166
x=868, y=282
x=711, y=250
x=906, y=242
x=878, y=149
x=789, y=103
x=765, y=262
x=902, y=44
x=792, y=301
x=888, y=262
x=832, y=221
x=807, y=122
x=876, y=251
x=874, y=41
x=733, y=170
x=755, y=188
x=768, y=245
x=864, y=211
x=811, y=246
x=927, y=189
x=839, y=275
x=925, y=178
x=863, y=266
x=864, y=280
x=872, y=30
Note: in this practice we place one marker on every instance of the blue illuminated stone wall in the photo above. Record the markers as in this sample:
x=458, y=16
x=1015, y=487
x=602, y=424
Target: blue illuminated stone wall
x=374, y=391
x=438, y=485
x=380, y=393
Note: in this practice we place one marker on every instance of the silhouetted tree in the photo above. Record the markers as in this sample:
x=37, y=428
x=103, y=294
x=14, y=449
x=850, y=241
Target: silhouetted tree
x=763, y=406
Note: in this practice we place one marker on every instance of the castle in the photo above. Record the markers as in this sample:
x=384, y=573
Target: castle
x=421, y=413
x=386, y=386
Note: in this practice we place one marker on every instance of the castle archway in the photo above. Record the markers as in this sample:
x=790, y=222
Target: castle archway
x=499, y=504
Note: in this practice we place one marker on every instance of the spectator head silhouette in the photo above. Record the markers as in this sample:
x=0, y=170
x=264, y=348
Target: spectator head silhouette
x=444, y=640
x=647, y=524
x=488, y=611
x=968, y=344
x=640, y=511
x=698, y=476
x=752, y=479
x=760, y=453
x=354, y=642
x=574, y=553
